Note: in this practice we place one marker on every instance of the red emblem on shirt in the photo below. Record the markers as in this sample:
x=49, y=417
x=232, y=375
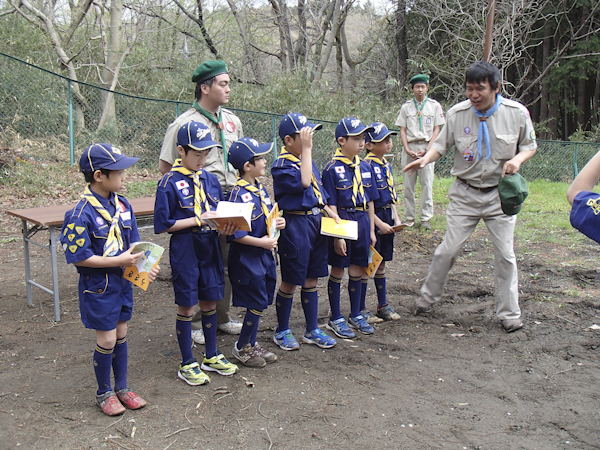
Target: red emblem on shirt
x=230, y=127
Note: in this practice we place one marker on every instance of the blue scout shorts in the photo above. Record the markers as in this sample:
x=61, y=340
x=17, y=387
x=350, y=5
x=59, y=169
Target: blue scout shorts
x=197, y=267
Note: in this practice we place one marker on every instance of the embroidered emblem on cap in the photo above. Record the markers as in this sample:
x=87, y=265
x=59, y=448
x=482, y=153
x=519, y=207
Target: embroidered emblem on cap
x=202, y=132
x=302, y=119
x=355, y=123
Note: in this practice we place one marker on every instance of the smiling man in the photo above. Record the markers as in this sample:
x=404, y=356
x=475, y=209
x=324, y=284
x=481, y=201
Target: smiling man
x=492, y=136
x=212, y=92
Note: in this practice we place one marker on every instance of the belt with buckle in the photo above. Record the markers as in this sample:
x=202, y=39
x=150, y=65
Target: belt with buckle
x=316, y=211
x=483, y=190
x=357, y=208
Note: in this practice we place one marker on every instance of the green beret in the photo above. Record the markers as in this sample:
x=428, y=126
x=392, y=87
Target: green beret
x=209, y=69
x=421, y=78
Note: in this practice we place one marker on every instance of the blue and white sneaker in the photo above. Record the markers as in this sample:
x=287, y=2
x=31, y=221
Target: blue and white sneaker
x=286, y=340
x=340, y=328
x=361, y=324
x=319, y=338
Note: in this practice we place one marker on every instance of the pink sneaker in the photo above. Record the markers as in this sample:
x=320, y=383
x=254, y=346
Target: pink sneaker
x=110, y=404
x=130, y=399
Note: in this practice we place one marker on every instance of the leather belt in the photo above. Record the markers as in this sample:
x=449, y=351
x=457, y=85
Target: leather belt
x=357, y=208
x=309, y=212
x=483, y=190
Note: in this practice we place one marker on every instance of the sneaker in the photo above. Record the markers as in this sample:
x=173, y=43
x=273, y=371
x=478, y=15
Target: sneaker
x=369, y=317
x=387, y=313
x=231, y=327
x=422, y=306
x=192, y=375
x=110, y=404
x=319, y=338
x=360, y=324
x=286, y=340
x=248, y=356
x=198, y=336
x=219, y=364
x=130, y=399
x=265, y=354
x=340, y=328
x=511, y=325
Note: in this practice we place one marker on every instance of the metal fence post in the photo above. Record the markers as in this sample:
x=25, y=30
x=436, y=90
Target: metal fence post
x=71, y=134
x=575, y=171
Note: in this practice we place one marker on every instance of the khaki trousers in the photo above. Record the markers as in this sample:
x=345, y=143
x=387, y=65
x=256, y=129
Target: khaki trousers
x=224, y=304
x=410, y=181
x=468, y=206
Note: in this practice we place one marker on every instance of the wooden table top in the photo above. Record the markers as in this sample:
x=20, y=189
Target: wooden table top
x=54, y=215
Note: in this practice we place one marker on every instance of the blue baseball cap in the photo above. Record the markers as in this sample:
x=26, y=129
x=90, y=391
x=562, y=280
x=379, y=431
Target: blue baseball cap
x=196, y=135
x=104, y=156
x=379, y=133
x=245, y=149
x=293, y=122
x=350, y=126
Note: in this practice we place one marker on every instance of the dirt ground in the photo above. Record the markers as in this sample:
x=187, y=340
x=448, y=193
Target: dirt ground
x=452, y=379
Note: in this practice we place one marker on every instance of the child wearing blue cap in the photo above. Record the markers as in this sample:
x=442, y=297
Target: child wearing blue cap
x=349, y=181
x=97, y=237
x=379, y=143
x=251, y=262
x=185, y=196
x=300, y=194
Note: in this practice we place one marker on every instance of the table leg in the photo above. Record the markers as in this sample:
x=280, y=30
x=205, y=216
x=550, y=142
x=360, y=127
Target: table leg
x=54, y=273
x=27, y=266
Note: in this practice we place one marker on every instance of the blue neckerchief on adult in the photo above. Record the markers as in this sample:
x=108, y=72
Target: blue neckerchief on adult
x=483, y=128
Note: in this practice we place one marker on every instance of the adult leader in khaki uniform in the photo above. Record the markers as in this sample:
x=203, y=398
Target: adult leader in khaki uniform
x=212, y=92
x=492, y=136
x=420, y=119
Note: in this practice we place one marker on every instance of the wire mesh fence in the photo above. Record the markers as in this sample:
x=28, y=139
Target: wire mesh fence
x=55, y=118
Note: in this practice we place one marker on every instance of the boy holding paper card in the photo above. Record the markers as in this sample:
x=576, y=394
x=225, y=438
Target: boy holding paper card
x=97, y=237
x=353, y=191
x=185, y=197
x=251, y=262
x=302, y=248
x=379, y=143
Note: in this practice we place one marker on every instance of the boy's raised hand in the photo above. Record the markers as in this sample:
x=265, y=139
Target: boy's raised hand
x=306, y=136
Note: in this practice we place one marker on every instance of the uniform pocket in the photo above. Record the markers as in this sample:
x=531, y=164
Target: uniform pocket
x=507, y=145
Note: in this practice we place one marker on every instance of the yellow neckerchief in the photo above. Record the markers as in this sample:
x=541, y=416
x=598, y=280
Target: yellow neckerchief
x=256, y=190
x=388, y=175
x=114, y=241
x=200, y=200
x=313, y=181
x=357, y=186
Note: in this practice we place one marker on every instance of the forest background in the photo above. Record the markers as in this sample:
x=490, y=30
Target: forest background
x=326, y=58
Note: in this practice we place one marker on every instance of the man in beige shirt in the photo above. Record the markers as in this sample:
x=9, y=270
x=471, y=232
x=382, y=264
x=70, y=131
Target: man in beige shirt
x=492, y=136
x=212, y=92
x=420, y=119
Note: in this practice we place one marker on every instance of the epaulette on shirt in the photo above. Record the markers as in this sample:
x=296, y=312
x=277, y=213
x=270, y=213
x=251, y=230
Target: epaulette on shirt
x=78, y=209
x=165, y=179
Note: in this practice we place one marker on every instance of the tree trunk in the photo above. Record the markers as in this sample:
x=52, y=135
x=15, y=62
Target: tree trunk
x=553, y=113
x=301, y=49
x=401, y=43
x=110, y=65
x=244, y=36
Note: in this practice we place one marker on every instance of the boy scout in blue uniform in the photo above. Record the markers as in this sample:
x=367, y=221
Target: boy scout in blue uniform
x=302, y=249
x=352, y=190
x=379, y=143
x=585, y=215
x=97, y=236
x=252, y=266
x=185, y=196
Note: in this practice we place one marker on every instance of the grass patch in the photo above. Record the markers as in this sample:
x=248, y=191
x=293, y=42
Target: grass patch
x=543, y=219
